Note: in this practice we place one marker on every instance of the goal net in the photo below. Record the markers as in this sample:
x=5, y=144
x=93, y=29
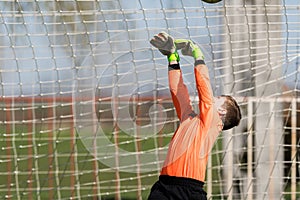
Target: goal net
x=85, y=106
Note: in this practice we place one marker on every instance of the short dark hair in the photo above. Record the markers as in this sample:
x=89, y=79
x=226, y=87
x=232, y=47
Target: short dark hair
x=233, y=115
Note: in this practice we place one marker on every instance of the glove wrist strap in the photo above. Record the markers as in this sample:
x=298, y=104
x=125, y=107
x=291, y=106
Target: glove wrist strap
x=173, y=57
x=197, y=54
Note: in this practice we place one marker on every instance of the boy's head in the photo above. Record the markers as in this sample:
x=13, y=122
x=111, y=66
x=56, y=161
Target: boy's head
x=229, y=111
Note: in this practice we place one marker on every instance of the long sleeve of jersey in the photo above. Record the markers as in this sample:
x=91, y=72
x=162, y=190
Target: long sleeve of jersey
x=180, y=95
x=204, y=92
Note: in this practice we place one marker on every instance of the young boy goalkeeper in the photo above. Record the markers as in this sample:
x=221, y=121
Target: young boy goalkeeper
x=183, y=172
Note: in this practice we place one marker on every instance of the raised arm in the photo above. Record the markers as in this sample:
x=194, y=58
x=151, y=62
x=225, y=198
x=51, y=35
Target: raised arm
x=205, y=94
x=179, y=93
x=204, y=91
x=167, y=46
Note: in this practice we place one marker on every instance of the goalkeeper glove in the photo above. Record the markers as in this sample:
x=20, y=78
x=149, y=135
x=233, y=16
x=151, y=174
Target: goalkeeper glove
x=165, y=44
x=189, y=48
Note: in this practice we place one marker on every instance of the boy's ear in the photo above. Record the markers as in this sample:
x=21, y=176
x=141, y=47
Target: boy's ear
x=222, y=111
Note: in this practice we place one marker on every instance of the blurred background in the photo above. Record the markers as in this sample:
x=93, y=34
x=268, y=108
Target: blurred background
x=85, y=107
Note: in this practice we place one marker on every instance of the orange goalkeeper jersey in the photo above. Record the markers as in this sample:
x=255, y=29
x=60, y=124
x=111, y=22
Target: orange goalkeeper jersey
x=193, y=140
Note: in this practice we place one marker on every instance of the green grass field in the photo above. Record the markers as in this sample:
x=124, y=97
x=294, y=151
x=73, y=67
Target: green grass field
x=37, y=163
x=54, y=165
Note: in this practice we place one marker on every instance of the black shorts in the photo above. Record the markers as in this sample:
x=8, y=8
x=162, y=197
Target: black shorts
x=177, y=188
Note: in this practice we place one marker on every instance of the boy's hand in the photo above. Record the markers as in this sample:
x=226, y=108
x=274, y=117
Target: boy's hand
x=164, y=42
x=189, y=48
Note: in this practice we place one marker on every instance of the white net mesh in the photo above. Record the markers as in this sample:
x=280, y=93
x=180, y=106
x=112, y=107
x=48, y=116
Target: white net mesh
x=86, y=111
